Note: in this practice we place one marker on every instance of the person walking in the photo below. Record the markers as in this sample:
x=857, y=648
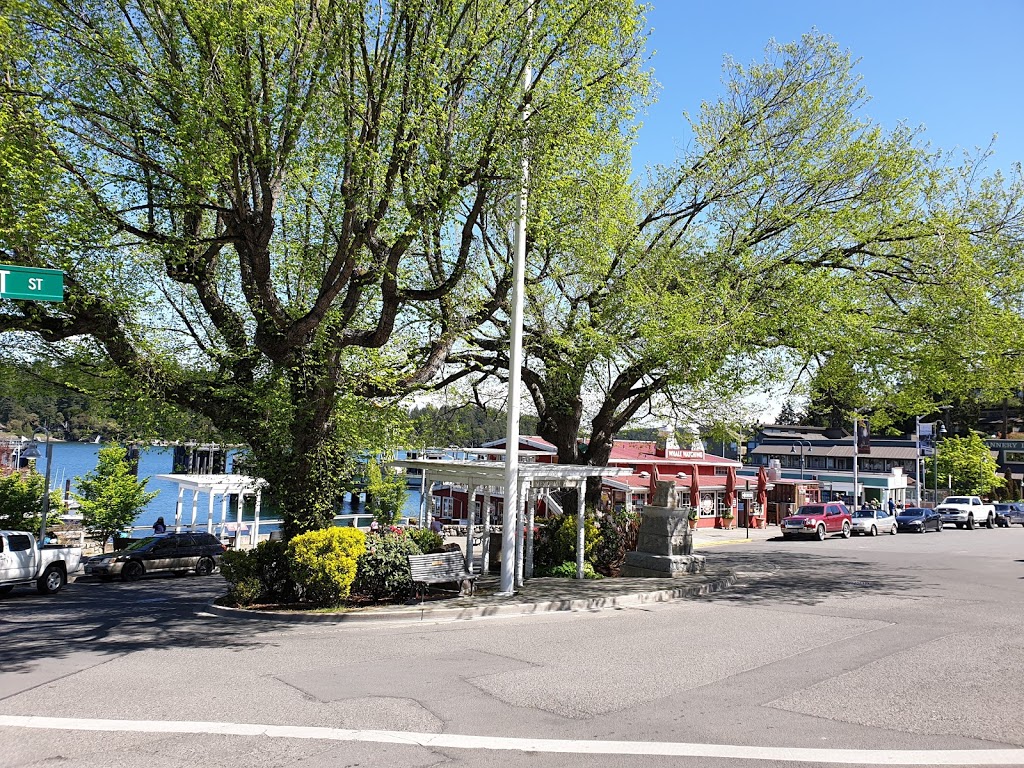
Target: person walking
x=892, y=506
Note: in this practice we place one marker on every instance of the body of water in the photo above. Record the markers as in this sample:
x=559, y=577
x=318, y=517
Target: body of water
x=74, y=460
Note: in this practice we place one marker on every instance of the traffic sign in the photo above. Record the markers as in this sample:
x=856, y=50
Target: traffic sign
x=31, y=283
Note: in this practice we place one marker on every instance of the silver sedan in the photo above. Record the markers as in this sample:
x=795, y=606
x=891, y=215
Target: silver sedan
x=872, y=522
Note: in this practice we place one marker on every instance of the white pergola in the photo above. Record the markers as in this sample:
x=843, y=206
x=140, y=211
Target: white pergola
x=224, y=486
x=534, y=479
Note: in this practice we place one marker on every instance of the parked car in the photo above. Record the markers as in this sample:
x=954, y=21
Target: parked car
x=175, y=552
x=967, y=510
x=25, y=560
x=818, y=520
x=1008, y=513
x=919, y=520
x=871, y=522
x=1015, y=514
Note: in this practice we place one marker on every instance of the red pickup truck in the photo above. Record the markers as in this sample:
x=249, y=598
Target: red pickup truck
x=818, y=520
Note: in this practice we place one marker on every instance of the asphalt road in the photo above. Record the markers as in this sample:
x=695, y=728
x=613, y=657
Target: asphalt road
x=853, y=651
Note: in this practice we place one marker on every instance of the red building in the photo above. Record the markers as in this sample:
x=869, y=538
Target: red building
x=643, y=457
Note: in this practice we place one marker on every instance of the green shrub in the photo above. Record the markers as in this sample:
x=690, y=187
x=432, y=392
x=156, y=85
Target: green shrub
x=619, y=531
x=323, y=563
x=555, y=541
x=383, y=571
x=426, y=539
x=259, y=575
x=567, y=570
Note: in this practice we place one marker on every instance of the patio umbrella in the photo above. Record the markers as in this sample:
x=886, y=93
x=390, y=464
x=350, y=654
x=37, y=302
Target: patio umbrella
x=654, y=483
x=762, y=489
x=730, y=488
x=695, y=488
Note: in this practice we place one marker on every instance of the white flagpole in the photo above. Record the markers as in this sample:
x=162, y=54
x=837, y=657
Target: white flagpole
x=515, y=356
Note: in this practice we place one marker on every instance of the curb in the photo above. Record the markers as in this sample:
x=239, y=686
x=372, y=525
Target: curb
x=484, y=611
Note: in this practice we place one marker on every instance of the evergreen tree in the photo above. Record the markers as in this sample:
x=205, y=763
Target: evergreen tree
x=788, y=414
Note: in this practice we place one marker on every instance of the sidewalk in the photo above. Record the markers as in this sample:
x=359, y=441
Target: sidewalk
x=539, y=595
x=715, y=537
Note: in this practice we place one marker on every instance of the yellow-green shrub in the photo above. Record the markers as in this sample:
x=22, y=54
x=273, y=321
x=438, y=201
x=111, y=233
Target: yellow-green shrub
x=323, y=563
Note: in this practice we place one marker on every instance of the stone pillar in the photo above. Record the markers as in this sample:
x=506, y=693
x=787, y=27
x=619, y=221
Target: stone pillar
x=665, y=542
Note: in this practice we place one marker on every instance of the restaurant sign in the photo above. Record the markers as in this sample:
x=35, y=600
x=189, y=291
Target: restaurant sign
x=680, y=453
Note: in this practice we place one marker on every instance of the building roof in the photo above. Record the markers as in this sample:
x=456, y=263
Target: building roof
x=534, y=441
x=492, y=473
x=217, y=484
x=647, y=451
x=841, y=450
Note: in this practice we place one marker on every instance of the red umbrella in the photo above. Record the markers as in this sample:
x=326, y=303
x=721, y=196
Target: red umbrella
x=730, y=488
x=654, y=482
x=695, y=488
x=762, y=489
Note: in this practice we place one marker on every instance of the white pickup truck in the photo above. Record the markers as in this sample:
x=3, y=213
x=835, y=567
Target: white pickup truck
x=23, y=560
x=967, y=510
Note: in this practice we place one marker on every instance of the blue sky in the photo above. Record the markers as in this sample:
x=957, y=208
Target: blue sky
x=953, y=68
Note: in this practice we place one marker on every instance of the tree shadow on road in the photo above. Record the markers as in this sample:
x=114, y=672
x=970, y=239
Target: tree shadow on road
x=114, y=619
x=800, y=578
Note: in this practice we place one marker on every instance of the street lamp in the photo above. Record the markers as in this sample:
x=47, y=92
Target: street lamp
x=31, y=451
x=856, y=450
x=802, y=444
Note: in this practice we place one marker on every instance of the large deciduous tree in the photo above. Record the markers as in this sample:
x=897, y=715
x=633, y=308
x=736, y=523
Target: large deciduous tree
x=792, y=227
x=265, y=210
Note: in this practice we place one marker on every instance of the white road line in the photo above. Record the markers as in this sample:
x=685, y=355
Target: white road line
x=1013, y=757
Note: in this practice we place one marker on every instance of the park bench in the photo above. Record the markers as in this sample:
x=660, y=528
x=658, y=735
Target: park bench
x=440, y=568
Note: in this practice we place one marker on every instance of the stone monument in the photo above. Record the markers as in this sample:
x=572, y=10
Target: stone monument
x=664, y=546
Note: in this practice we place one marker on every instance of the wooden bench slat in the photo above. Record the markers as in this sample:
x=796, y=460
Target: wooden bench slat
x=440, y=568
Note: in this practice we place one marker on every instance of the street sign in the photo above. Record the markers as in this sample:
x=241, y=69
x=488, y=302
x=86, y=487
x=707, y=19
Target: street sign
x=746, y=494
x=31, y=283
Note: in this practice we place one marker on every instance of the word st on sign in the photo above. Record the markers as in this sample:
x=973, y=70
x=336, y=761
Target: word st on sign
x=31, y=283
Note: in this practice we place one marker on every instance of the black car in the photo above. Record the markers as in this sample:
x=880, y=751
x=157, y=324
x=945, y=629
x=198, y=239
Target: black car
x=174, y=552
x=918, y=520
x=1009, y=513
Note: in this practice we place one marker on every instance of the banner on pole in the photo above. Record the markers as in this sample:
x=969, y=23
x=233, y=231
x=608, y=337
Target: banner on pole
x=863, y=437
x=926, y=439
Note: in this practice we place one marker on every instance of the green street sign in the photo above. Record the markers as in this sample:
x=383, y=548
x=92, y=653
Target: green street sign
x=30, y=283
